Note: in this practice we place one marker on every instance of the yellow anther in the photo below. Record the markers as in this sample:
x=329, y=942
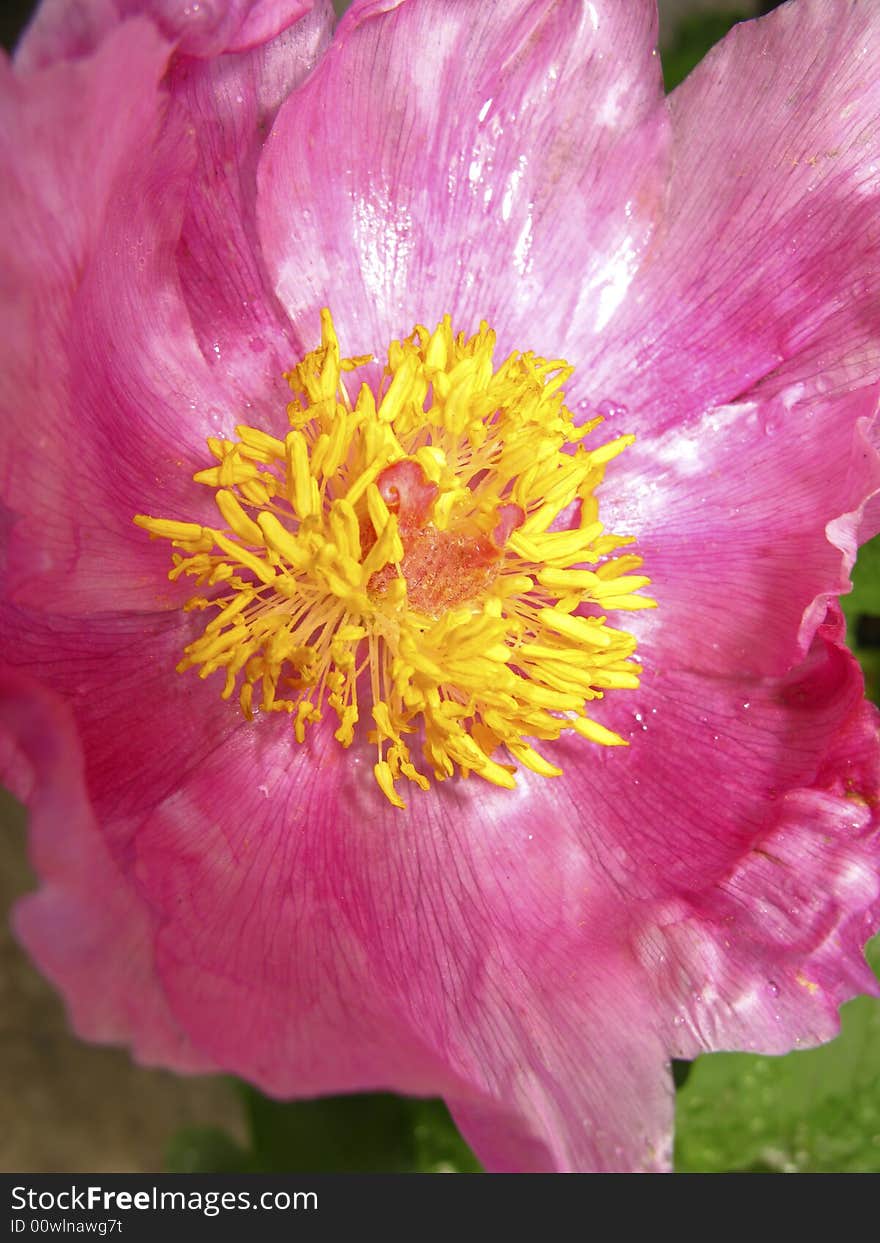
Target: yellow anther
x=595, y=732
x=626, y=601
x=270, y=446
x=299, y=478
x=584, y=630
x=236, y=519
x=623, y=585
x=616, y=679
x=347, y=720
x=338, y=441
x=362, y=482
x=612, y=449
x=344, y=528
x=566, y=580
x=387, y=548
x=255, y=564
x=279, y=539
x=237, y=605
x=551, y=547
x=400, y=390
x=377, y=509
x=532, y=759
x=437, y=352
x=385, y=781
x=179, y=532
x=305, y=711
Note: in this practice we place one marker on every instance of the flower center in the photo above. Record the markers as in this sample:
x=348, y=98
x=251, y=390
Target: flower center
x=432, y=550
x=442, y=569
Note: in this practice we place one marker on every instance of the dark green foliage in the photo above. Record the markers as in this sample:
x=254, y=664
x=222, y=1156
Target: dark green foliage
x=371, y=1133
x=693, y=38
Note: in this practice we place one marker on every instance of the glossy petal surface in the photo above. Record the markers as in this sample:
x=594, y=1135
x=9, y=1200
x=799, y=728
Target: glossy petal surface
x=710, y=265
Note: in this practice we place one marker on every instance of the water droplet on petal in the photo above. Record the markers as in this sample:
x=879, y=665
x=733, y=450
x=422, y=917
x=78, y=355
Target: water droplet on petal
x=610, y=409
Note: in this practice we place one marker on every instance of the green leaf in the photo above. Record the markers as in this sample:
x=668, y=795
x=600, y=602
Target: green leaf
x=369, y=1133
x=439, y=1147
x=864, y=599
x=862, y=609
x=205, y=1150
x=693, y=38
x=813, y=1111
x=681, y=1072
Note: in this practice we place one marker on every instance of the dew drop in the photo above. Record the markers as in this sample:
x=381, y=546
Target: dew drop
x=610, y=409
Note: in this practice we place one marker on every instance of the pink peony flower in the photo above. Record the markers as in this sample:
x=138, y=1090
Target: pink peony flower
x=224, y=888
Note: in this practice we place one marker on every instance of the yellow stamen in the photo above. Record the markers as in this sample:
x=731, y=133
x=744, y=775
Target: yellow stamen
x=400, y=548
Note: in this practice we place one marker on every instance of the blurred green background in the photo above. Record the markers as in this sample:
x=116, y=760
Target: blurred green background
x=71, y=1107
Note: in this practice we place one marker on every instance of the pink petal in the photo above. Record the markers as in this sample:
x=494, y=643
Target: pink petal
x=505, y=953
x=378, y=201
x=659, y=831
x=535, y=957
x=747, y=531
x=450, y=959
x=70, y=29
x=484, y=955
x=120, y=668
x=232, y=101
x=143, y=390
x=265, y=885
x=763, y=959
x=84, y=927
x=70, y=138
x=770, y=248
